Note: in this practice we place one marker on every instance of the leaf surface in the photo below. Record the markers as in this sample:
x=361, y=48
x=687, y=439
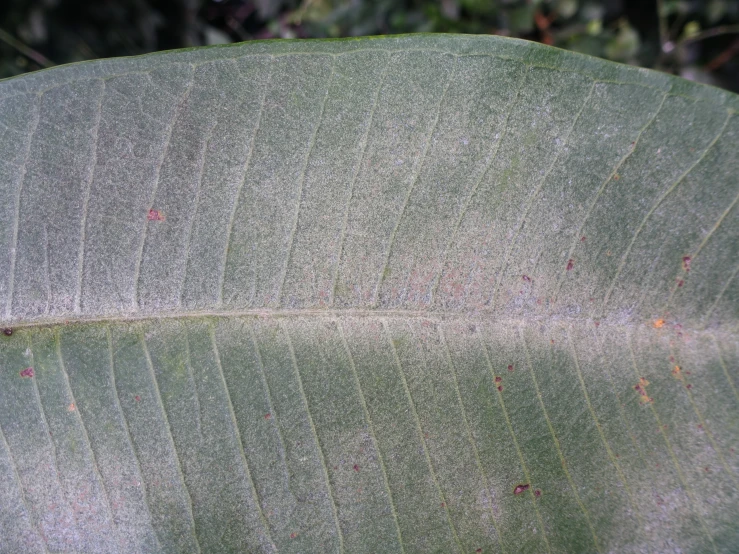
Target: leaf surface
x=409, y=294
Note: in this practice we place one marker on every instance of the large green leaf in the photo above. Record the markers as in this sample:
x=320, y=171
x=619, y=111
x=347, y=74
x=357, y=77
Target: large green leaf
x=358, y=295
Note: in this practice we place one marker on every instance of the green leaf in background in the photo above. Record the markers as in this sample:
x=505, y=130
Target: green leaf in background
x=411, y=294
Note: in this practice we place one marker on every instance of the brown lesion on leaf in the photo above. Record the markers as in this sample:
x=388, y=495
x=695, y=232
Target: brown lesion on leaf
x=521, y=488
x=155, y=215
x=7, y=331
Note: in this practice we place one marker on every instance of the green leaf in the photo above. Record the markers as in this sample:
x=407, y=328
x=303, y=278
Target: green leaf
x=409, y=294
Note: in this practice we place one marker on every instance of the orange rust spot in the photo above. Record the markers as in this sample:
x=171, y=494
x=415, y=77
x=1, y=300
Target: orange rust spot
x=678, y=374
x=659, y=324
x=71, y=407
x=616, y=177
x=641, y=388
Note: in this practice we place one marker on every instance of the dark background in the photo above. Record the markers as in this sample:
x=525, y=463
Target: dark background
x=698, y=39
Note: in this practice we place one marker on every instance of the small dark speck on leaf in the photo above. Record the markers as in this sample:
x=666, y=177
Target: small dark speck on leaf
x=478, y=550
x=137, y=398
x=293, y=535
x=472, y=328
x=267, y=416
x=570, y=264
x=7, y=331
x=537, y=493
x=582, y=239
x=498, y=379
x=510, y=367
x=28, y=372
x=680, y=283
x=500, y=388
x=356, y=468
x=526, y=278
x=521, y=488
x=686, y=263
x=688, y=386
x=597, y=323
x=616, y=177
x=443, y=504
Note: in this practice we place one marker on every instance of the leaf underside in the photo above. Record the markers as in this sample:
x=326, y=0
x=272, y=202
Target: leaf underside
x=409, y=294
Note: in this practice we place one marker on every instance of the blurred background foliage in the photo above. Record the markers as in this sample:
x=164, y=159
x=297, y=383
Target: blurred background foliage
x=698, y=39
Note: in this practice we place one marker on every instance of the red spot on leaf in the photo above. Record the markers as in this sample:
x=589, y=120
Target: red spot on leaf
x=478, y=550
x=526, y=278
x=500, y=388
x=267, y=416
x=597, y=323
x=498, y=379
x=293, y=535
x=155, y=215
x=686, y=263
x=28, y=372
x=510, y=367
x=137, y=398
x=688, y=386
x=680, y=283
x=582, y=239
x=443, y=504
x=570, y=264
x=521, y=488
x=356, y=468
x=537, y=493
